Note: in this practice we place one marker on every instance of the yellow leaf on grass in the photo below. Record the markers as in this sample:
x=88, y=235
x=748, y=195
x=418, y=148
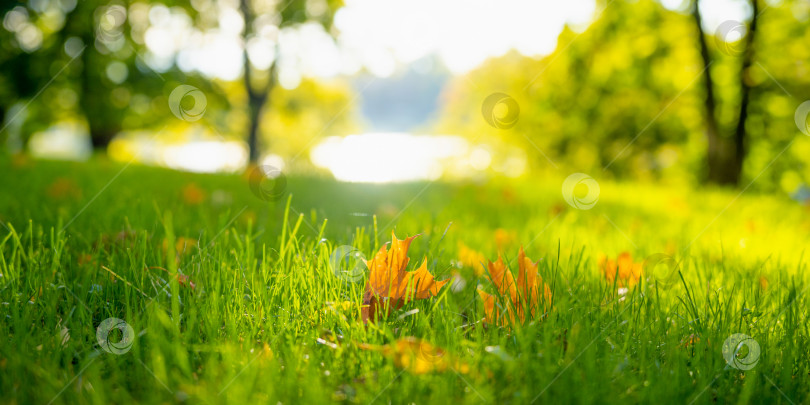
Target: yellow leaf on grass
x=627, y=271
x=390, y=285
x=516, y=297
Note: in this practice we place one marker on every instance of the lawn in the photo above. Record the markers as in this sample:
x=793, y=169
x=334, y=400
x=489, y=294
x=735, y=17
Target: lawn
x=257, y=312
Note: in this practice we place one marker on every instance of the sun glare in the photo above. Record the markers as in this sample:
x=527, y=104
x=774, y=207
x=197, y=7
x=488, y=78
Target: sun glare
x=387, y=157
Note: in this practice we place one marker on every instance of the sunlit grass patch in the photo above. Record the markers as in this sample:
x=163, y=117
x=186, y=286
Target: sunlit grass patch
x=240, y=301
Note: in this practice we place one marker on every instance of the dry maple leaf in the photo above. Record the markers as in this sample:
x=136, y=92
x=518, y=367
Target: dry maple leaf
x=192, y=194
x=182, y=279
x=182, y=245
x=64, y=188
x=627, y=271
x=390, y=285
x=518, y=296
x=418, y=356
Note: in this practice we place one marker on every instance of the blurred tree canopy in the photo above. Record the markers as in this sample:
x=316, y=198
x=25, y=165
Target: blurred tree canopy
x=644, y=91
x=626, y=97
x=88, y=61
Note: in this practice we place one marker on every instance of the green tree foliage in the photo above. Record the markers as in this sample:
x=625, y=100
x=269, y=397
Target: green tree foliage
x=90, y=66
x=625, y=97
x=295, y=126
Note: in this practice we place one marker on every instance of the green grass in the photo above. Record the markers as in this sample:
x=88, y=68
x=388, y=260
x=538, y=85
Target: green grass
x=248, y=332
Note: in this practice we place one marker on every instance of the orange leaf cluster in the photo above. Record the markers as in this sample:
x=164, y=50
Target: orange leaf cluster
x=627, y=271
x=525, y=294
x=390, y=285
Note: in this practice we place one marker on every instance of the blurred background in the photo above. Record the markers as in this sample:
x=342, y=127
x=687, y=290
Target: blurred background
x=708, y=92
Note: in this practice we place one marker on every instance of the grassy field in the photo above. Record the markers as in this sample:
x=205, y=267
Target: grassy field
x=257, y=313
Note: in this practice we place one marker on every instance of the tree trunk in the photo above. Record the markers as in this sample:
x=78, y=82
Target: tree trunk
x=100, y=133
x=256, y=98
x=101, y=138
x=740, y=138
x=725, y=155
x=720, y=155
x=255, y=106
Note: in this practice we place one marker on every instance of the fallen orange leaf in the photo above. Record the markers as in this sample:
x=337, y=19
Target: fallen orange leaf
x=64, y=188
x=182, y=245
x=19, y=160
x=520, y=295
x=627, y=271
x=390, y=285
x=182, y=279
x=85, y=258
x=192, y=194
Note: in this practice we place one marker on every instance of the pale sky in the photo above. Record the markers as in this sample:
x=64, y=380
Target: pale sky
x=383, y=35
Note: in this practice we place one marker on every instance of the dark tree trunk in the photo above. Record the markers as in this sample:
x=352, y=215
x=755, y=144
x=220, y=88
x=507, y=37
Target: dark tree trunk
x=102, y=128
x=256, y=98
x=101, y=138
x=740, y=138
x=720, y=153
x=725, y=155
x=100, y=133
x=255, y=105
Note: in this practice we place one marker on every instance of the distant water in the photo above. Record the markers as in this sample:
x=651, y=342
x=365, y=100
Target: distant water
x=388, y=157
